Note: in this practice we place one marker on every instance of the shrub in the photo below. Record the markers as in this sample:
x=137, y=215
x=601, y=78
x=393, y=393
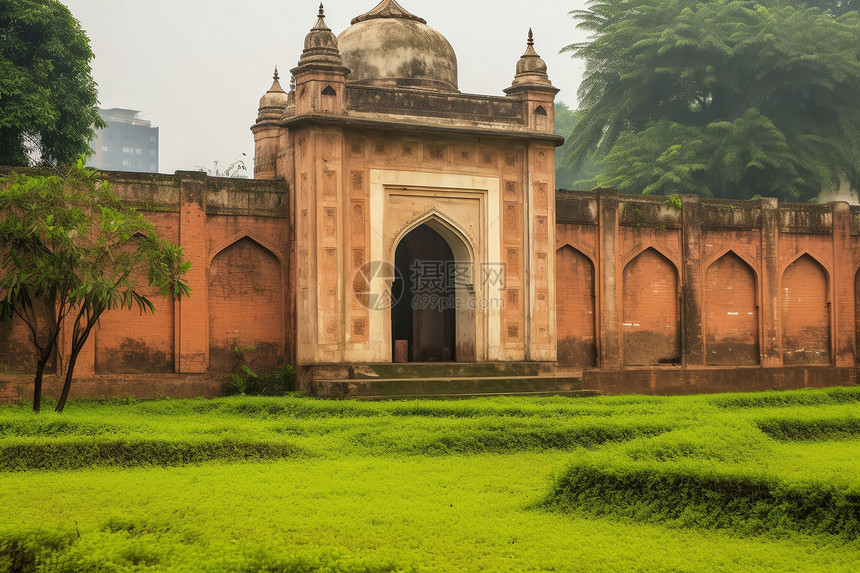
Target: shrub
x=786, y=399
x=811, y=429
x=16, y=455
x=705, y=496
x=270, y=561
x=251, y=384
x=28, y=550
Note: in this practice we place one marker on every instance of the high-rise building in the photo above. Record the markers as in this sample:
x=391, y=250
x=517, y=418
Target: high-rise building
x=127, y=144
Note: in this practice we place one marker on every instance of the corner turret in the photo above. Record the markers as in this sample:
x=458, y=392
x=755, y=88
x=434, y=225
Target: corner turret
x=532, y=85
x=320, y=75
x=273, y=105
x=274, y=102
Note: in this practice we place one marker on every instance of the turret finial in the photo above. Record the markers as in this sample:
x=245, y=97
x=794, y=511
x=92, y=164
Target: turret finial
x=276, y=76
x=321, y=45
x=531, y=69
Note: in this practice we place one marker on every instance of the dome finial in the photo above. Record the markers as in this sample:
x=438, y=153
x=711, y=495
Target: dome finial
x=531, y=41
x=388, y=9
x=320, y=25
x=276, y=77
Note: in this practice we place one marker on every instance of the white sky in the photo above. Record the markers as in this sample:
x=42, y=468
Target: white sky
x=197, y=69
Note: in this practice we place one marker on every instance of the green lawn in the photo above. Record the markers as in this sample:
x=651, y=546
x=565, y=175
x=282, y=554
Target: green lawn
x=767, y=482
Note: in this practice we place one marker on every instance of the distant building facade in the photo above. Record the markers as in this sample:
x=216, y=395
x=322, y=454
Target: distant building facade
x=127, y=144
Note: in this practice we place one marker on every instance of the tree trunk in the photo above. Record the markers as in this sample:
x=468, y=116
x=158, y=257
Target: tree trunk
x=77, y=346
x=67, y=384
x=37, y=385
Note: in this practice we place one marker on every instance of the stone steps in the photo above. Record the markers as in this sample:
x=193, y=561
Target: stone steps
x=447, y=387
x=450, y=369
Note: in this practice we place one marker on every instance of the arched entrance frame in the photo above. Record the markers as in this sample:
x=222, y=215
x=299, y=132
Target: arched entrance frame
x=464, y=253
x=475, y=198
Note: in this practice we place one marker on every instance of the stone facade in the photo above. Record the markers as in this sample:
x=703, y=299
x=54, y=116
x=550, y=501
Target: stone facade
x=377, y=151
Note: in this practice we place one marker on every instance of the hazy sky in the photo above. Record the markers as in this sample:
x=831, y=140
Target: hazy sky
x=198, y=69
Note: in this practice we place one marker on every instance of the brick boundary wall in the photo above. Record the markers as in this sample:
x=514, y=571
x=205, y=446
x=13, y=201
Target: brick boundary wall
x=684, y=381
x=655, y=382
x=145, y=387
x=778, y=328
x=236, y=234
x=759, y=284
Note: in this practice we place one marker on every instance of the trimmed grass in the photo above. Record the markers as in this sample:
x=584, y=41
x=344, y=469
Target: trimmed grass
x=759, y=482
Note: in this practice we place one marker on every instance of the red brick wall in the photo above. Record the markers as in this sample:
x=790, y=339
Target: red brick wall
x=651, y=317
x=731, y=314
x=17, y=353
x=805, y=313
x=203, y=215
x=575, y=308
x=857, y=316
x=758, y=305
x=802, y=314
x=128, y=342
x=246, y=306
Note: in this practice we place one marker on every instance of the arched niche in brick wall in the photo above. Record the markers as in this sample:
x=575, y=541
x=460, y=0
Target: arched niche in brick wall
x=651, y=325
x=857, y=315
x=575, y=312
x=805, y=313
x=731, y=313
x=129, y=342
x=246, y=308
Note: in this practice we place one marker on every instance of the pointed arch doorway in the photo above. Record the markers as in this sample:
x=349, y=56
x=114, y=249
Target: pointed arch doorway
x=434, y=313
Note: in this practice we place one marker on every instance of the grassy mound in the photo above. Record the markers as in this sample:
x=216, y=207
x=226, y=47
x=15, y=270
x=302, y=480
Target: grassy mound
x=691, y=496
x=180, y=432
x=120, y=549
x=73, y=453
x=808, y=428
x=790, y=399
x=740, y=464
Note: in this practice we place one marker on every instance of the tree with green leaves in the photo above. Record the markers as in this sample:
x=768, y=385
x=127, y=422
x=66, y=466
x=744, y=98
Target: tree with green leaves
x=724, y=98
x=48, y=99
x=835, y=7
x=72, y=250
x=566, y=177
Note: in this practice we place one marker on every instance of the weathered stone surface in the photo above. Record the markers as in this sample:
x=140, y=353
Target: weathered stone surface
x=390, y=47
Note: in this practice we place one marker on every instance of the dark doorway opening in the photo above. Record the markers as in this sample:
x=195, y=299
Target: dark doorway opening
x=424, y=315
